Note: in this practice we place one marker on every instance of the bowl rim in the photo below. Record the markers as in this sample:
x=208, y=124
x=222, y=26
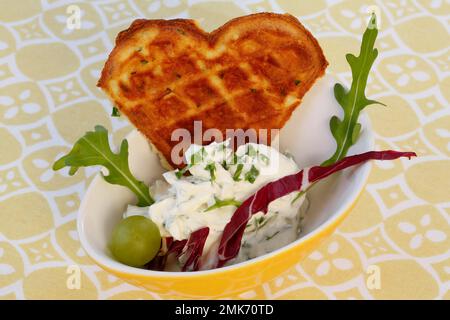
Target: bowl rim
x=116, y=266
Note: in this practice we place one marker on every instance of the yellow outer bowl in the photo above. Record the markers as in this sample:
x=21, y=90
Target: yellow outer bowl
x=231, y=282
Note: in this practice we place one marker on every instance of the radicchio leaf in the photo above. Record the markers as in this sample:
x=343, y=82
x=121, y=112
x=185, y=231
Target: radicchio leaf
x=176, y=246
x=168, y=246
x=194, y=249
x=230, y=242
x=190, y=250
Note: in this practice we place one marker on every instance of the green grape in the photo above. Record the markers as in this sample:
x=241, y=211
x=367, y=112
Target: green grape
x=135, y=241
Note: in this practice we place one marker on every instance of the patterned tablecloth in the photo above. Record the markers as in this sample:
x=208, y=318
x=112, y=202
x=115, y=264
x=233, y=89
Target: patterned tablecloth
x=48, y=99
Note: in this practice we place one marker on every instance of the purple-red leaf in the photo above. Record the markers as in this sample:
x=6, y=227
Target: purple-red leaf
x=190, y=249
x=230, y=242
x=176, y=246
x=194, y=249
x=168, y=246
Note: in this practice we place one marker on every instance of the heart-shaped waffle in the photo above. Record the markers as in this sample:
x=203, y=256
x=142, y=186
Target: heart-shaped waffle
x=250, y=73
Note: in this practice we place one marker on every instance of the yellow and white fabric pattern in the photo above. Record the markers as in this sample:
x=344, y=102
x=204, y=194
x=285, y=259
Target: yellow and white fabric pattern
x=48, y=99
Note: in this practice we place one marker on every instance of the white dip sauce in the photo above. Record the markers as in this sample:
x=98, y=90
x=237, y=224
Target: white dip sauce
x=181, y=202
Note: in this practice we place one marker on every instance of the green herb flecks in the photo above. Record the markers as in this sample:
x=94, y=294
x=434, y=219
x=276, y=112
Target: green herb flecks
x=223, y=203
x=265, y=159
x=261, y=221
x=258, y=223
x=347, y=130
x=182, y=32
x=211, y=167
x=93, y=149
x=255, y=153
x=237, y=173
x=298, y=196
x=273, y=235
x=252, y=174
x=115, y=112
x=235, y=158
x=246, y=245
x=180, y=172
x=198, y=156
x=225, y=164
x=251, y=151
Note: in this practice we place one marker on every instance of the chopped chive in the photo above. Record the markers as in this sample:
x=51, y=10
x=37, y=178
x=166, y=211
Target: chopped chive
x=143, y=61
x=265, y=159
x=211, y=167
x=223, y=203
x=297, y=82
x=252, y=174
x=261, y=222
x=298, y=196
x=115, y=112
x=270, y=237
x=198, y=156
x=181, y=172
x=224, y=164
x=251, y=152
x=238, y=171
x=235, y=158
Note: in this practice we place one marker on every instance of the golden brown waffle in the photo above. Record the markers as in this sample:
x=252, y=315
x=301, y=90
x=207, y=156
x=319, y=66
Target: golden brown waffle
x=250, y=73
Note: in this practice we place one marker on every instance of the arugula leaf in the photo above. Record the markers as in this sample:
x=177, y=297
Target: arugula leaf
x=346, y=131
x=93, y=149
x=223, y=203
x=252, y=174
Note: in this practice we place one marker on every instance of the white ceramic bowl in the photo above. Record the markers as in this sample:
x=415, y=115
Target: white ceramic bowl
x=306, y=136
